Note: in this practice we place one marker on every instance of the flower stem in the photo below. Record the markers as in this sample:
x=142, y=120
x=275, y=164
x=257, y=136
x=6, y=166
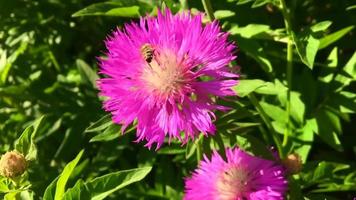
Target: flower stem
x=208, y=9
x=184, y=4
x=288, y=25
x=199, y=148
x=218, y=139
x=268, y=123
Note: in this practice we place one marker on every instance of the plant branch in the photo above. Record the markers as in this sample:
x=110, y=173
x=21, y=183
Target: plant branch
x=288, y=25
x=208, y=9
x=184, y=4
x=268, y=123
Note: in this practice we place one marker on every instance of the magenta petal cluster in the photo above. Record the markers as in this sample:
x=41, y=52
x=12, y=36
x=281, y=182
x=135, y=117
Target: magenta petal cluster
x=163, y=73
x=241, y=177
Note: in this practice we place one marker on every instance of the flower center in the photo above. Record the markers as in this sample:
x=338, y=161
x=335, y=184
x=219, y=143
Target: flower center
x=164, y=74
x=232, y=184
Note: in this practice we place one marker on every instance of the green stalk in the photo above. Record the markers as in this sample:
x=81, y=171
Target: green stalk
x=288, y=25
x=218, y=139
x=54, y=61
x=268, y=123
x=208, y=9
x=199, y=148
x=184, y=4
x=210, y=13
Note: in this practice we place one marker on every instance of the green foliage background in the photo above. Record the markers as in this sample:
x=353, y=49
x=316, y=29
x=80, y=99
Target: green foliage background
x=297, y=92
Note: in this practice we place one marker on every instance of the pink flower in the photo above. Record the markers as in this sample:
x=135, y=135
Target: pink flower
x=241, y=177
x=163, y=73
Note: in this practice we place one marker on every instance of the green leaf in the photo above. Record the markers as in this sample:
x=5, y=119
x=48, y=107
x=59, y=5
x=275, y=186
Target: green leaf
x=190, y=150
x=275, y=112
x=171, y=150
x=350, y=67
x=50, y=190
x=253, y=49
x=333, y=37
x=319, y=197
x=348, y=73
x=113, y=8
x=328, y=177
x=245, y=87
x=78, y=192
x=250, y=30
x=344, y=101
x=13, y=195
x=103, y=186
x=321, y=26
x=306, y=137
x=240, y=2
x=332, y=61
x=19, y=194
x=64, y=176
x=112, y=132
x=307, y=43
x=26, y=195
x=328, y=128
x=25, y=143
x=3, y=60
x=221, y=14
x=252, y=144
x=297, y=108
x=272, y=88
x=307, y=46
x=100, y=125
x=7, y=63
x=295, y=191
x=257, y=3
x=316, y=172
x=351, y=7
x=87, y=73
x=4, y=188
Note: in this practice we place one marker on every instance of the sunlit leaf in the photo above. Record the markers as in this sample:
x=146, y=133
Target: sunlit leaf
x=328, y=128
x=7, y=63
x=50, y=190
x=344, y=101
x=64, y=176
x=297, y=107
x=25, y=144
x=348, y=73
x=78, y=192
x=256, y=3
x=307, y=47
x=350, y=67
x=110, y=133
x=321, y=26
x=351, y=7
x=333, y=37
x=103, y=186
x=272, y=88
x=332, y=62
x=88, y=74
x=114, y=8
x=250, y=30
x=221, y=14
x=245, y=87
x=100, y=125
x=253, y=49
x=275, y=112
x=306, y=136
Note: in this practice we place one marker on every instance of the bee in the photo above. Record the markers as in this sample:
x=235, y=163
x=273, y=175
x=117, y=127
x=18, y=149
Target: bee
x=147, y=52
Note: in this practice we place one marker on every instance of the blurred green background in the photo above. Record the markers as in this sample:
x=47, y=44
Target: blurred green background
x=48, y=65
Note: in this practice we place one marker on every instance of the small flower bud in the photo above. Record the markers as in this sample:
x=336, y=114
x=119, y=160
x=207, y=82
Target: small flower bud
x=12, y=164
x=293, y=163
